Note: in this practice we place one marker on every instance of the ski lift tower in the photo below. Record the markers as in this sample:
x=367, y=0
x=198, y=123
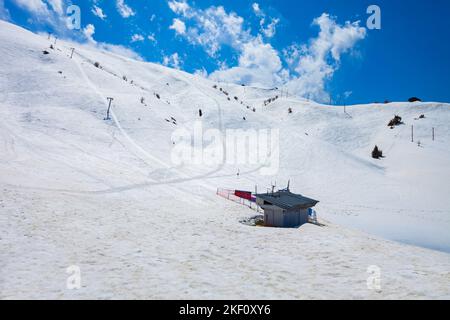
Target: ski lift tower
x=110, y=100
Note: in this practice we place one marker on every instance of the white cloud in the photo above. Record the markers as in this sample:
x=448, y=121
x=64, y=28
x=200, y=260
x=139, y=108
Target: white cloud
x=99, y=12
x=57, y=6
x=53, y=12
x=316, y=63
x=212, y=28
x=270, y=30
x=172, y=61
x=115, y=49
x=137, y=38
x=258, y=62
x=89, y=32
x=48, y=12
x=257, y=9
x=179, y=7
x=119, y=50
x=347, y=94
x=152, y=37
x=124, y=10
x=179, y=26
x=259, y=65
x=309, y=66
x=202, y=73
x=37, y=7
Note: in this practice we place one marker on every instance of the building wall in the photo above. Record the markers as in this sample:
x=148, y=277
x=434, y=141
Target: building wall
x=291, y=218
x=297, y=217
x=277, y=217
x=273, y=217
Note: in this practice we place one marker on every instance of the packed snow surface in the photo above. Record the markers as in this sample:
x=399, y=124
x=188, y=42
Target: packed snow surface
x=106, y=197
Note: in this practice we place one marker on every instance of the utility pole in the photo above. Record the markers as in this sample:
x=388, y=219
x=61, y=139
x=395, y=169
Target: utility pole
x=109, y=108
x=433, y=134
x=71, y=55
x=412, y=133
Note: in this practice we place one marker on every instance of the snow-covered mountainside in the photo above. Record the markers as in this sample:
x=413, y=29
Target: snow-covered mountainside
x=105, y=195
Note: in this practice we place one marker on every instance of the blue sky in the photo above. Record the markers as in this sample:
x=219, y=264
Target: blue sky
x=320, y=49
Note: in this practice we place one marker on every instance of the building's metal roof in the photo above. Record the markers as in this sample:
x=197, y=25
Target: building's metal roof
x=288, y=200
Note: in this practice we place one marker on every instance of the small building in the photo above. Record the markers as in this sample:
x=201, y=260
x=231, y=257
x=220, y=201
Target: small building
x=284, y=209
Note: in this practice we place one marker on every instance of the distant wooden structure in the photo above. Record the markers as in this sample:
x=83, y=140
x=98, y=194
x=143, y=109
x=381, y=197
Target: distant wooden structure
x=284, y=209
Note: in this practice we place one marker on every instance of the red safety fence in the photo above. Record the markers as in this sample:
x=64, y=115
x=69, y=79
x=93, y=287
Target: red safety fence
x=243, y=194
x=242, y=197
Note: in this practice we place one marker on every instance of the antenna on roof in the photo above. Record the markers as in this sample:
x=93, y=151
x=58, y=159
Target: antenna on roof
x=289, y=183
x=273, y=187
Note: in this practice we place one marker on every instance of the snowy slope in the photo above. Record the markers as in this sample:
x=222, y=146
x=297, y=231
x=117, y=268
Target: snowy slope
x=105, y=196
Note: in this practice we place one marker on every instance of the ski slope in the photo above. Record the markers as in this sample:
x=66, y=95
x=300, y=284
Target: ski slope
x=104, y=195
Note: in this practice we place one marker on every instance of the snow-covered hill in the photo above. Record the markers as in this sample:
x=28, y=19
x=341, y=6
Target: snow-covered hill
x=106, y=196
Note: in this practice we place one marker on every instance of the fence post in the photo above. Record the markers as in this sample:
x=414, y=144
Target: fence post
x=256, y=204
